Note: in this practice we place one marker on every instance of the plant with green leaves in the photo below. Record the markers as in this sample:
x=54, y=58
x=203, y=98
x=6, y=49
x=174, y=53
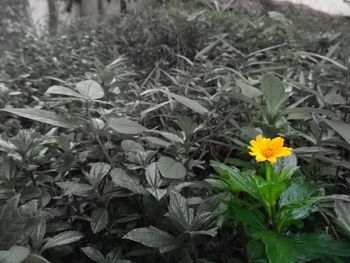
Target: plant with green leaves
x=272, y=207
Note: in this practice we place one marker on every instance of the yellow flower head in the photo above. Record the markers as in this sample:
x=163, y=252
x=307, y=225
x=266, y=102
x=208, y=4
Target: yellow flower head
x=265, y=149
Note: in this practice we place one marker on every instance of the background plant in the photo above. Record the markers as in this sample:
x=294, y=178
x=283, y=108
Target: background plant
x=121, y=123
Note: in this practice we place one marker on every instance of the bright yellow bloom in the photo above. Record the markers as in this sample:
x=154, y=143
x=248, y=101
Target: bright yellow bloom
x=265, y=149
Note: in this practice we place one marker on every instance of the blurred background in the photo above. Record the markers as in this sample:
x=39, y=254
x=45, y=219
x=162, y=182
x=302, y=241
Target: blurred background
x=49, y=15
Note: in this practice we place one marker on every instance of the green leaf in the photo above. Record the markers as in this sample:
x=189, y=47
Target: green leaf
x=341, y=128
x=193, y=105
x=274, y=92
x=126, y=126
x=97, y=172
x=15, y=254
x=61, y=239
x=170, y=168
x=45, y=116
x=255, y=250
x=99, y=219
x=246, y=216
x=278, y=248
x=122, y=179
x=297, y=193
x=314, y=246
x=287, y=217
x=236, y=181
x=60, y=90
x=93, y=254
x=270, y=192
x=35, y=259
x=90, y=89
x=153, y=237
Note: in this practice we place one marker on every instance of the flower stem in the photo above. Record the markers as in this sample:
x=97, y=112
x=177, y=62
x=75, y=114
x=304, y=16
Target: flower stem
x=268, y=170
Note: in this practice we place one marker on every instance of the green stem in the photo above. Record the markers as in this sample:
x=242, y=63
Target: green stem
x=268, y=170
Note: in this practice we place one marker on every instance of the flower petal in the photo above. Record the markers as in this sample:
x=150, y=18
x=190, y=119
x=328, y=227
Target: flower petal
x=272, y=159
x=284, y=151
x=277, y=142
x=260, y=158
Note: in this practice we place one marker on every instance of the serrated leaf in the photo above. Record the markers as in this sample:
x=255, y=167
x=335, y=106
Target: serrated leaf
x=44, y=116
x=126, y=126
x=15, y=254
x=278, y=248
x=90, y=89
x=315, y=246
x=60, y=90
x=298, y=192
x=255, y=250
x=122, y=179
x=99, y=219
x=93, y=254
x=61, y=239
x=169, y=168
x=248, y=217
x=153, y=237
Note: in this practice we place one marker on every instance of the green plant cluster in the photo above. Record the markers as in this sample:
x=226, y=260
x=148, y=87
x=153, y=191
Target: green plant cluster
x=109, y=137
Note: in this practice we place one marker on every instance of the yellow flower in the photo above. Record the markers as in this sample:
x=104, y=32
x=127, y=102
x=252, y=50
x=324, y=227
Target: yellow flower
x=265, y=149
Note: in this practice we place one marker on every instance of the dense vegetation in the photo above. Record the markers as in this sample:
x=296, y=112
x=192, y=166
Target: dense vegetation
x=128, y=142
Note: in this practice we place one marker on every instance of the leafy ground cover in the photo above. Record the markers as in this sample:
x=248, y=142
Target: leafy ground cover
x=128, y=142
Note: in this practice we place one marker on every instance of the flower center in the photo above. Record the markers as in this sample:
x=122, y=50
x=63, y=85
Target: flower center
x=269, y=152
